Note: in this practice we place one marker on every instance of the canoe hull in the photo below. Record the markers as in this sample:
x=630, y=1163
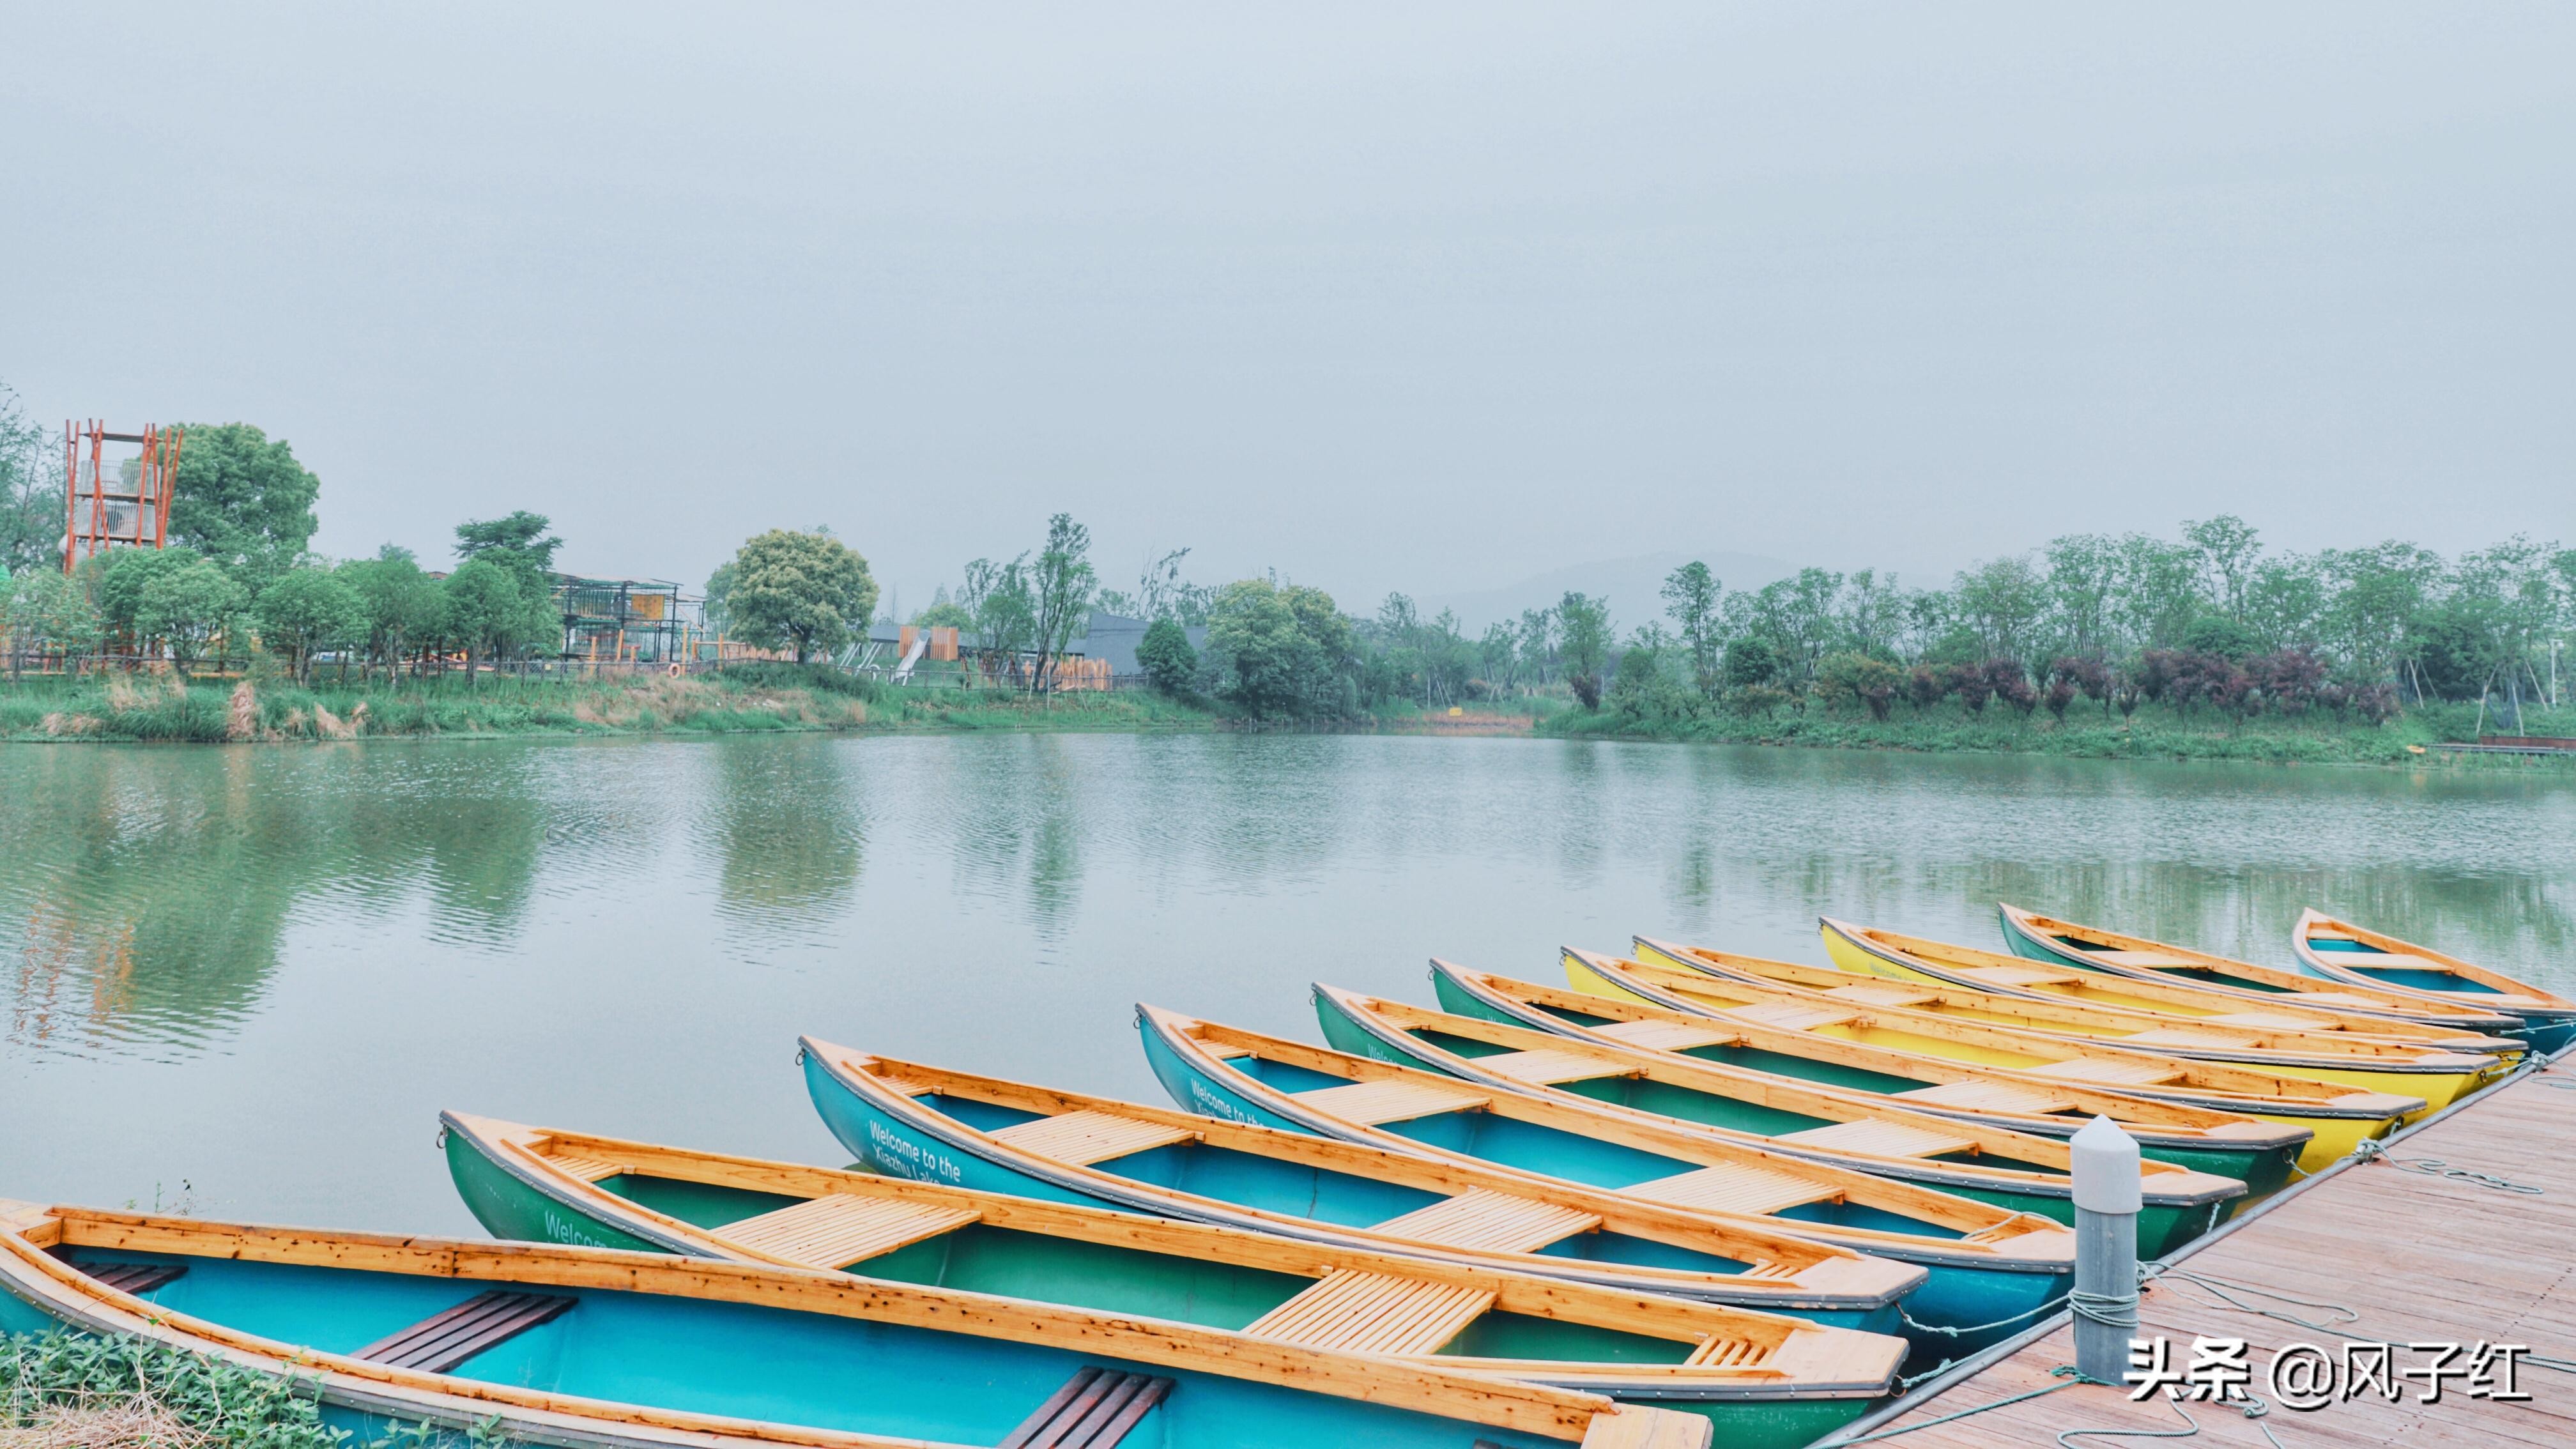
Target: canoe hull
x=902, y=1147
x=1959, y=1309
x=2437, y=1089
x=2162, y=1226
x=2264, y=1169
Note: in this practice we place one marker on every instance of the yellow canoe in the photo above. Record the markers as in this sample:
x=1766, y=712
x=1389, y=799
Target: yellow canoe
x=2378, y=1010
x=2001, y=1035
x=2119, y=1011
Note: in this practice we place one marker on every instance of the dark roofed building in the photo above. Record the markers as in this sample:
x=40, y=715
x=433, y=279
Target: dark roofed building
x=1114, y=637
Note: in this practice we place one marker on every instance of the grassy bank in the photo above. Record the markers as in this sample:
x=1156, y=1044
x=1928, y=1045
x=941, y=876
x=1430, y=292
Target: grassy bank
x=2152, y=734
x=766, y=697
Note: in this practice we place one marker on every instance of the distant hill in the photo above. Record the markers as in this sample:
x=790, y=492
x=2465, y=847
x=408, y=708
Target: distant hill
x=1634, y=587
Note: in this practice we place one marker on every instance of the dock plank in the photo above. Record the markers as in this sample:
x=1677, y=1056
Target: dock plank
x=2418, y=1256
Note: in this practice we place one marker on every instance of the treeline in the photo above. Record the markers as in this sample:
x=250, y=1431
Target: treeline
x=2208, y=621
x=187, y=606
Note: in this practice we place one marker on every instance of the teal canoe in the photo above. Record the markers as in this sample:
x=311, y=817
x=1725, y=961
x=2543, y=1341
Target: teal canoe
x=1991, y=1269
x=2012, y=1170
x=607, y=1349
x=929, y=1124
x=2356, y=956
x=1764, y=1381
x=2227, y=1144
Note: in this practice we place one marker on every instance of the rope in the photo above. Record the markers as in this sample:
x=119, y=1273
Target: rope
x=2111, y=1310
x=1937, y=1330
x=2224, y=1291
x=2255, y=1409
x=2372, y=1151
x=2066, y=1375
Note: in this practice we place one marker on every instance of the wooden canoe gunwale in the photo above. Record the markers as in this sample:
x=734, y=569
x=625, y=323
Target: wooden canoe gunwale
x=54, y=1286
x=1986, y=1229
x=1727, y=1235
x=2211, y=1083
x=2532, y=1000
x=1690, y=1073
x=2449, y=1025
x=1622, y=1310
x=2151, y=1119
x=2326, y=1051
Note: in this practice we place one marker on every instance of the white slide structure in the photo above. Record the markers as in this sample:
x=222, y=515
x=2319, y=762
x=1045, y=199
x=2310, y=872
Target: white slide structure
x=912, y=656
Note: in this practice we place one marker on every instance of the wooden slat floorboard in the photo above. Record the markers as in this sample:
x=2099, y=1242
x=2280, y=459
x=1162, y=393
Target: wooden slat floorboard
x=2419, y=1257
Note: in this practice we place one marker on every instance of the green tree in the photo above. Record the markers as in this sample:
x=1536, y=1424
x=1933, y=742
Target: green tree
x=1854, y=677
x=403, y=605
x=1749, y=662
x=189, y=607
x=1585, y=623
x=47, y=608
x=242, y=500
x=521, y=536
x=306, y=611
x=485, y=609
x=2003, y=601
x=1061, y=584
x=2226, y=549
x=2082, y=572
x=1005, y=612
x=1279, y=651
x=2221, y=635
x=31, y=492
x=119, y=578
x=1691, y=597
x=803, y=591
x=1167, y=657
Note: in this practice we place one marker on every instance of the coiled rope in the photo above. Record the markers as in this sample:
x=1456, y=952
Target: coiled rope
x=2371, y=1151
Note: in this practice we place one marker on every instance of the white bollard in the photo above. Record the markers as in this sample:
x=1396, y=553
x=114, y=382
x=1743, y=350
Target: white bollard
x=2107, y=1197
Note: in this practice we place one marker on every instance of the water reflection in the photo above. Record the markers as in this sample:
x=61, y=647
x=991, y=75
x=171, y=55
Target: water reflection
x=788, y=829
x=154, y=895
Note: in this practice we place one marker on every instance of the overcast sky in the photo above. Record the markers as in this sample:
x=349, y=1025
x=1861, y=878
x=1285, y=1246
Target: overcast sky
x=1380, y=295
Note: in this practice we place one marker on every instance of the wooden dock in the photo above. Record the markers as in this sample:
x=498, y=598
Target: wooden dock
x=2419, y=1256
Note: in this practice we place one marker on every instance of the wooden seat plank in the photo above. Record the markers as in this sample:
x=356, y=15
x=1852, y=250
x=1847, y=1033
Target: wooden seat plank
x=588, y=1169
x=1396, y=1099
x=1094, y=1410
x=1665, y=1036
x=1734, y=1187
x=1981, y=1096
x=446, y=1339
x=1087, y=1136
x=1494, y=1221
x=1795, y=1016
x=838, y=1229
x=1356, y=1312
x=1879, y=1139
x=135, y=1278
x=1547, y=1067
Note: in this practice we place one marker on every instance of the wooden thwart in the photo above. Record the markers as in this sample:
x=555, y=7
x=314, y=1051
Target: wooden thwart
x=588, y=1169
x=1879, y=1139
x=441, y=1341
x=1086, y=1137
x=1492, y=1221
x=1547, y=1066
x=135, y=1278
x=1663, y=1036
x=1355, y=1312
x=1733, y=1187
x=1392, y=1100
x=1987, y=1096
x=1094, y=1410
x=837, y=1229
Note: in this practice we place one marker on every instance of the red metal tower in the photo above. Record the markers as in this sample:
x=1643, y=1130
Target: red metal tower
x=107, y=506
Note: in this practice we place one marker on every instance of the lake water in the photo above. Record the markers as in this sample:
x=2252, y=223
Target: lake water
x=246, y=979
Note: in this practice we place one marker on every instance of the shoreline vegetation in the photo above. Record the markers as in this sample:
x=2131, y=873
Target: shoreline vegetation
x=765, y=698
